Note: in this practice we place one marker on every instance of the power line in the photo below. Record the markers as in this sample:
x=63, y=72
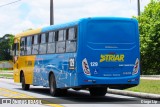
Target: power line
x=10, y=3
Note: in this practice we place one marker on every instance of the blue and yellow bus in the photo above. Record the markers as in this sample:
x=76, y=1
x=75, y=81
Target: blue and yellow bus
x=91, y=53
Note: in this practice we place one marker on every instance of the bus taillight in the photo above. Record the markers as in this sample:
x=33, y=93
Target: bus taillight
x=136, y=67
x=85, y=66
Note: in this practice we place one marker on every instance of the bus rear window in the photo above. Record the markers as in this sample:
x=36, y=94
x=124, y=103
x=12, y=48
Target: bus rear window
x=111, y=32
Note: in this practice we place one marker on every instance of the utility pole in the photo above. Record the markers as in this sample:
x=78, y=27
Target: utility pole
x=51, y=13
x=139, y=8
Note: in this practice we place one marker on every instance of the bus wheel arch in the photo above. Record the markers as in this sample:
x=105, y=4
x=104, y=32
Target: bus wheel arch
x=23, y=83
x=50, y=74
x=52, y=84
x=54, y=91
x=21, y=73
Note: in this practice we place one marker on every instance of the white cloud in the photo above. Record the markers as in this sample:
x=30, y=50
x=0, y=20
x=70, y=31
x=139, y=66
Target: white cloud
x=27, y=14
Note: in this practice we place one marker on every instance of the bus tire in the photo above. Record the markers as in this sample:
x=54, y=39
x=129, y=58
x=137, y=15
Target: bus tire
x=98, y=91
x=24, y=85
x=52, y=85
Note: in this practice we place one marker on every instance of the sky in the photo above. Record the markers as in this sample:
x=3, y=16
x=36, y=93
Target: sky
x=26, y=14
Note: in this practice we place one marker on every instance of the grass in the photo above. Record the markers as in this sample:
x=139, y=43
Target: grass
x=147, y=86
x=6, y=75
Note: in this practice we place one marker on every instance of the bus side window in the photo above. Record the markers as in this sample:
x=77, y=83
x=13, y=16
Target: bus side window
x=51, y=42
x=60, y=44
x=72, y=34
x=35, y=45
x=29, y=44
x=43, y=45
x=64, y=34
x=60, y=35
x=71, y=42
x=22, y=46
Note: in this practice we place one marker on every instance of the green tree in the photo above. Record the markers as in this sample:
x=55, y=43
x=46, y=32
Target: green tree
x=5, y=47
x=149, y=25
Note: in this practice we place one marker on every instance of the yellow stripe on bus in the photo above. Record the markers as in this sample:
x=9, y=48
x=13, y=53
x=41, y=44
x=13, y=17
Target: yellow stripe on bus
x=29, y=32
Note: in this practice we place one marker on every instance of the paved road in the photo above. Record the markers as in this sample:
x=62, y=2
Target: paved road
x=8, y=89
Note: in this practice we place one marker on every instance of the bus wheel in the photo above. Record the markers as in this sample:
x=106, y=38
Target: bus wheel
x=52, y=84
x=24, y=85
x=98, y=91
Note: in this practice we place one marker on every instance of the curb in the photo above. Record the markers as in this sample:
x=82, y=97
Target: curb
x=7, y=73
x=150, y=77
x=153, y=76
x=135, y=94
x=6, y=77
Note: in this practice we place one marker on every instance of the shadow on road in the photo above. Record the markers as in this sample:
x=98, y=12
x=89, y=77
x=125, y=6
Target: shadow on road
x=78, y=97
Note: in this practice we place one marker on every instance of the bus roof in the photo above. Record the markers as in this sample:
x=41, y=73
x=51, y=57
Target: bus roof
x=70, y=24
x=29, y=32
x=60, y=26
x=46, y=29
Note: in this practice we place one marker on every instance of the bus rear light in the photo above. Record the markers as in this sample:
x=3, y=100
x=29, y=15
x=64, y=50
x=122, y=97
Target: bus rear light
x=136, y=67
x=85, y=67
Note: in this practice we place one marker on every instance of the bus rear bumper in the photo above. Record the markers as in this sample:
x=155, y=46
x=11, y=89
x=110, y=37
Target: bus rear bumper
x=112, y=86
x=112, y=82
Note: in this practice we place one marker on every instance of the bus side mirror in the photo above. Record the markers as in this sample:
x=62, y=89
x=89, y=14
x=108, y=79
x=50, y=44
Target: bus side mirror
x=13, y=46
x=22, y=46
